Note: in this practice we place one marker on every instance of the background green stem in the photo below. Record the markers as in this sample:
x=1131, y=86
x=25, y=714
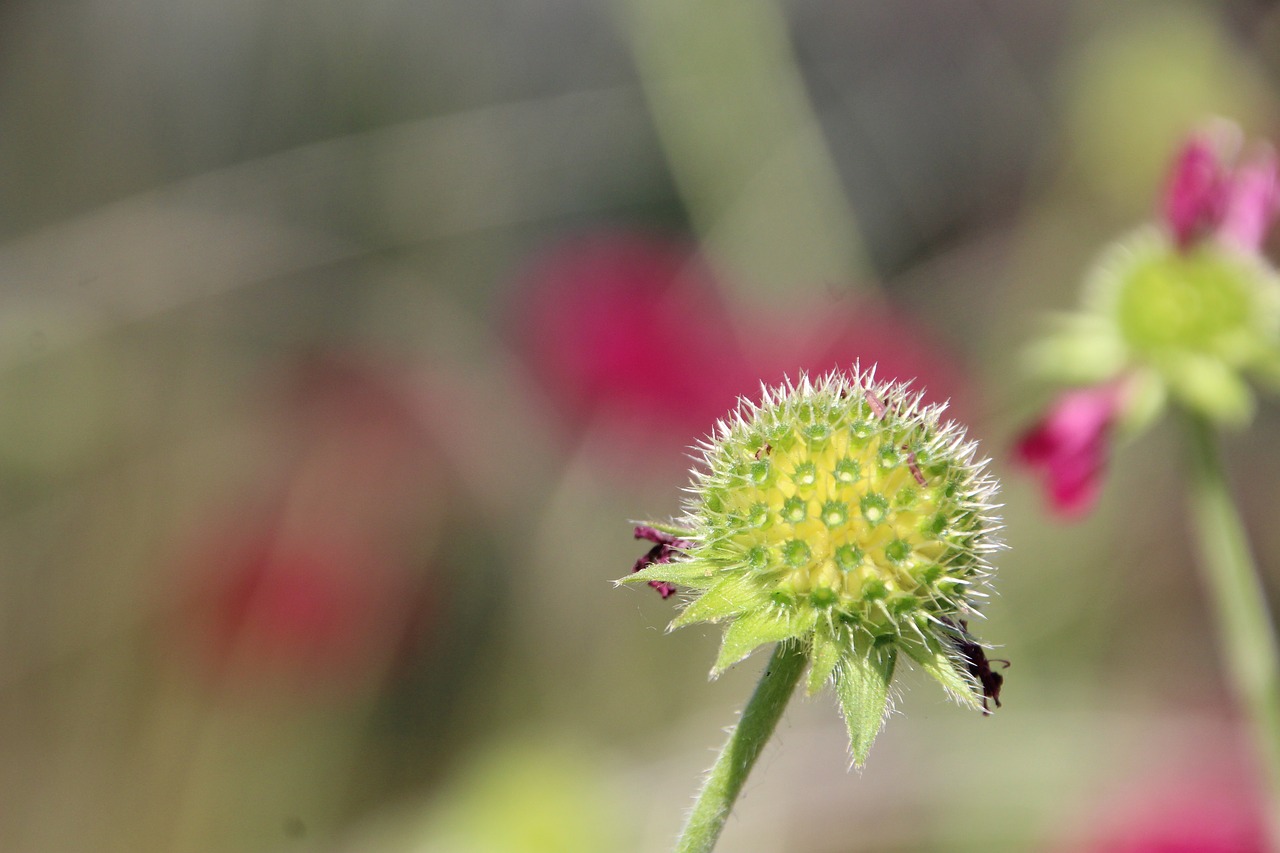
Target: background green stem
x=746, y=149
x=1246, y=635
x=745, y=743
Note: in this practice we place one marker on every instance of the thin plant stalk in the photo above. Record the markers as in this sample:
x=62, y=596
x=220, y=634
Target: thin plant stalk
x=745, y=145
x=1246, y=633
x=746, y=741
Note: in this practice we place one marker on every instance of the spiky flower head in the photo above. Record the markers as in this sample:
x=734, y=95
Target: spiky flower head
x=847, y=516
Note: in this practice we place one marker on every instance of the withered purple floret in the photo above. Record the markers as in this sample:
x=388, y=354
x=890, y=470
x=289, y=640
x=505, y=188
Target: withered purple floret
x=666, y=550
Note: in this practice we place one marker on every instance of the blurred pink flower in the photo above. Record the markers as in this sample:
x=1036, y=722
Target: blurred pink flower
x=1207, y=197
x=1198, y=811
x=299, y=608
x=317, y=589
x=1070, y=445
x=1252, y=201
x=629, y=329
x=1193, y=198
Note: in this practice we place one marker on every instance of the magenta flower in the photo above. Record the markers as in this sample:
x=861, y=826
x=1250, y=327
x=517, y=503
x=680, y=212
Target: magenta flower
x=627, y=331
x=312, y=583
x=1208, y=809
x=305, y=609
x=1206, y=197
x=1251, y=203
x=269, y=605
x=1070, y=445
x=1193, y=199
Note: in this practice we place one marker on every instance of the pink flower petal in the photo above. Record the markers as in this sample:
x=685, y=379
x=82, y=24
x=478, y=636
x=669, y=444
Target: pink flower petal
x=1195, y=193
x=1069, y=446
x=1251, y=204
x=1208, y=196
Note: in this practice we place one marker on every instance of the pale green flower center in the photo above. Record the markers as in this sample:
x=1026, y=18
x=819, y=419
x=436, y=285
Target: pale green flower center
x=1198, y=301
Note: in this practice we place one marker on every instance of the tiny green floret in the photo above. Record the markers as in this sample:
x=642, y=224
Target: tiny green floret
x=848, y=517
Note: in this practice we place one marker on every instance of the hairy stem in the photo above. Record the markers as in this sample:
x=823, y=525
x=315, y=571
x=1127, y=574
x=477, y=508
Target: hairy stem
x=1246, y=635
x=745, y=743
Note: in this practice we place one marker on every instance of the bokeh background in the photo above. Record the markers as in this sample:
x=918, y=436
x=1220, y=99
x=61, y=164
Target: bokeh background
x=340, y=342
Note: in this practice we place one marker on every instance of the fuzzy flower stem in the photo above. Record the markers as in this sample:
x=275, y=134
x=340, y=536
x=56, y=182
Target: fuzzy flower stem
x=1247, y=636
x=744, y=746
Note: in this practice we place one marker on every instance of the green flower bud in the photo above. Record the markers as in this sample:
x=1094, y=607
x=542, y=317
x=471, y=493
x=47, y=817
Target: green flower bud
x=1186, y=323
x=846, y=516
x=1194, y=318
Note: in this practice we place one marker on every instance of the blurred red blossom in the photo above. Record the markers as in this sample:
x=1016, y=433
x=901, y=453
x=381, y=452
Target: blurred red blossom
x=317, y=587
x=629, y=331
x=1201, y=810
x=1070, y=444
x=302, y=606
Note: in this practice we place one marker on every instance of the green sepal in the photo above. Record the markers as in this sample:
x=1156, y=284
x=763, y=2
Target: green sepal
x=862, y=683
x=1145, y=401
x=823, y=658
x=666, y=527
x=1210, y=387
x=728, y=596
x=752, y=630
x=1084, y=351
x=690, y=573
x=943, y=665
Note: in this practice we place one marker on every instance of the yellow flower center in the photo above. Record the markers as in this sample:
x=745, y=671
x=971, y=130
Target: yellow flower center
x=837, y=518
